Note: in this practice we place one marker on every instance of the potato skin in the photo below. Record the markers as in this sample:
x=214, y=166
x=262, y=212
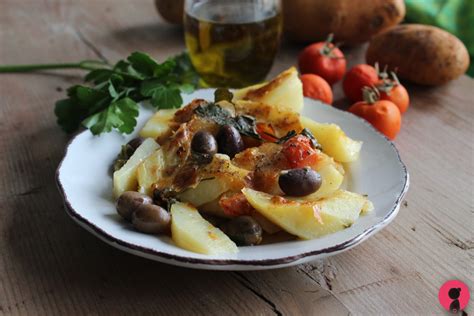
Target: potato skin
x=423, y=54
x=352, y=22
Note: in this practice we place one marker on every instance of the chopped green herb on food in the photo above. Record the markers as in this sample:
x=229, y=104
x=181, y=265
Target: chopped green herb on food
x=245, y=124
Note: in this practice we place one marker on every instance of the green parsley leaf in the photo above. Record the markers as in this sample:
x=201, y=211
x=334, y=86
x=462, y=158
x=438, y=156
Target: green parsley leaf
x=166, y=98
x=245, y=124
x=109, y=99
x=121, y=115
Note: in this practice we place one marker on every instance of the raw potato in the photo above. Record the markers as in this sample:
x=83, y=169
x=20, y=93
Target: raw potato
x=158, y=124
x=190, y=231
x=422, y=54
x=284, y=92
x=336, y=212
x=125, y=179
x=351, y=21
x=334, y=141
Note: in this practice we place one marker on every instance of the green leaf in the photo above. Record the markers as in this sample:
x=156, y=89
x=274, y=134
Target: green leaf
x=143, y=63
x=69, y=115
x=215, y=113
x=127, y=110
x=247, y=125
x=186, y=88
x=120, y=115
x=314, y=143
x=113, y=93
x=165, y=68
x=111, y=103
x=84, y=95
x=149, y=87
x=98, y=76
x=166, y=98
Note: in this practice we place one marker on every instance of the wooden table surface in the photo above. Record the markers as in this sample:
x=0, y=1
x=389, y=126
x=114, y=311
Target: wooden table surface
x=49, y=265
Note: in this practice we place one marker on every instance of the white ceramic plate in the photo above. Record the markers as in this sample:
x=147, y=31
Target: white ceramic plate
x=83, y=179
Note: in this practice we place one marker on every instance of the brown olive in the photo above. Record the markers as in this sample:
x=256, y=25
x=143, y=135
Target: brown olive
x=243, y=230
x=229, y=140
x=129, y=202
x=204, y=146
x=151, y=219
x=135, y=143
x=299, y=182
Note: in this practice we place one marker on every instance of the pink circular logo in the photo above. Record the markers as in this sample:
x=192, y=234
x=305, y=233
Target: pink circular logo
x=454, y=296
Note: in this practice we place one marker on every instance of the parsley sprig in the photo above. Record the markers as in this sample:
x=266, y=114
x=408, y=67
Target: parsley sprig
x=109, y=100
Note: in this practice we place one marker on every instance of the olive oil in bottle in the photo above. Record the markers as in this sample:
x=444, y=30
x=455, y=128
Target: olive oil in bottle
x=232, y=43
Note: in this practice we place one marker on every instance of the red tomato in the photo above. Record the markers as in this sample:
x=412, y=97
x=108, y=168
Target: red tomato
x=266, y=132
x=299, y=152
x=382, y=114
x=323, y=59
x=393, y=91
x=358, y=77
x=317, y=88
x=235, y=205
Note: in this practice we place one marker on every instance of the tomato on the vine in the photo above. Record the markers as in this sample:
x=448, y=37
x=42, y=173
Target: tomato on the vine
x=392, y=90
x=299, y=152
x=317, y=88
x=323, y=59
x=384, y=115
x=358, y=77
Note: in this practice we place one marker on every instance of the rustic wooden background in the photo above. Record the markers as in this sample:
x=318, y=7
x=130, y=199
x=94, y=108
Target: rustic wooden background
x=49, y=265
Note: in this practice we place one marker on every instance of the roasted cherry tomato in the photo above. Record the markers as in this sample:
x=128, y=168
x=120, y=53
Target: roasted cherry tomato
x=358, y=77
x=235, y=205
x=323, y=59
x=317, y=88
x=299, y=152
x=266, y=132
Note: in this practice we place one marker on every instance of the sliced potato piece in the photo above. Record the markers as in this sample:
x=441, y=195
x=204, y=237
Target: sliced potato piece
x=368, y=207
x=190, y=231
x=223, y=176
x=332, y=176
x=149, y=171
x=309, y=220
x=334, y=141
x=125, y=179
x=158, y=124
x=284, y=92
x=205, y=192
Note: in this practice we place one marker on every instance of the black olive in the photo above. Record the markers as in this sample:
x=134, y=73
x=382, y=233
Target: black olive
x=164, y=197
x=129, y=201
x=151, y=219
x=229, y=140
x=243, y=230
x=204, y=146
x=299, y=182
x=135, y=143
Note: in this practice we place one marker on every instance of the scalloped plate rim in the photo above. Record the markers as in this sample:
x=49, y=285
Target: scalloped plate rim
x=234, y=264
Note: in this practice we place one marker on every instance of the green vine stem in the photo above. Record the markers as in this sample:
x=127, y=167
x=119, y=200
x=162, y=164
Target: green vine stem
x=85, y=65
